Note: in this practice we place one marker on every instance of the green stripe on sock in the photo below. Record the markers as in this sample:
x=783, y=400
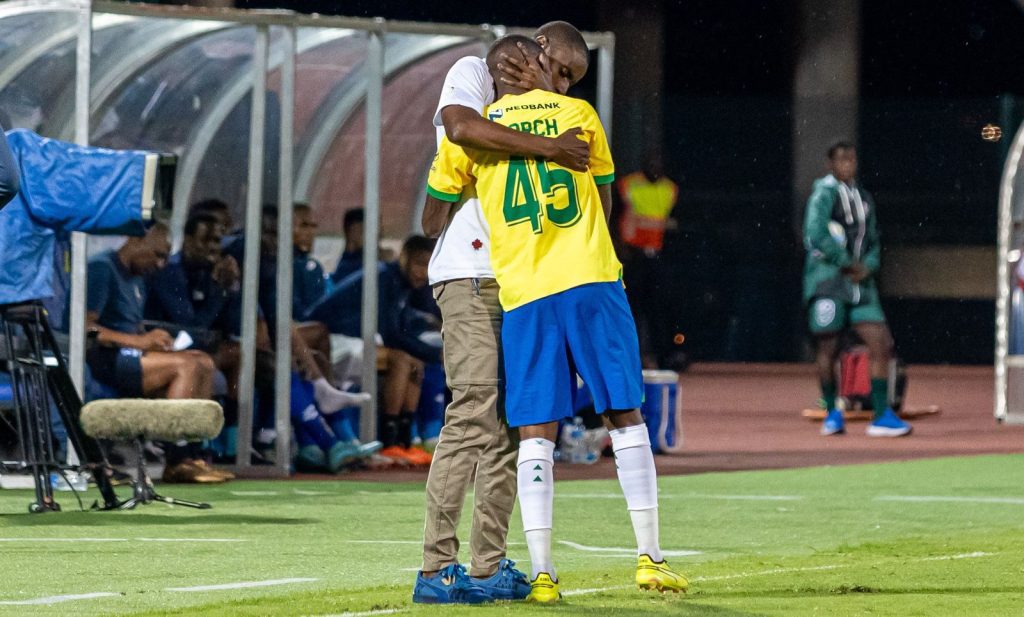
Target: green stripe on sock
x=828, y=394
x=879, y=396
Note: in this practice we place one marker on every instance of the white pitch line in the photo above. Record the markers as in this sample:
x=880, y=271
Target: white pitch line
x=244, y=584
x=631, y=552
x=64, y=539
x=691, y=496
x=33, y=540
x=1018, y=501
x=726, y=577
x=973, y=555
x=56, y=599
x=384, y=541
x=192, y=539
x=747, y=497
x=300, y=491
x=382, y=611
x=583, y=592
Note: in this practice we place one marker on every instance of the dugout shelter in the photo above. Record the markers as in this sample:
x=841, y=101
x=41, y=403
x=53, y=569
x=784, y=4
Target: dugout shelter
x=259, y=106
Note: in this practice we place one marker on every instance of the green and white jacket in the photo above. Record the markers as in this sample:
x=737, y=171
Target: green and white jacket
x=840, y=228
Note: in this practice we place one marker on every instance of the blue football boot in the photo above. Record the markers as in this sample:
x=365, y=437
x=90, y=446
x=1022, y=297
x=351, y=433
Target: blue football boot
x=449, y=586
x=507, y=583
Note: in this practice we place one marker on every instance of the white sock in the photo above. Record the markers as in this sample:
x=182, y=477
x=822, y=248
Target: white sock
x=330, y=399
x=634, y=462
x=536, y=499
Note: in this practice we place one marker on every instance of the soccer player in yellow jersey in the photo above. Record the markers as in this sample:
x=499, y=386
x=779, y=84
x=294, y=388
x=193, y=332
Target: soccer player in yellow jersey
x=565, y=309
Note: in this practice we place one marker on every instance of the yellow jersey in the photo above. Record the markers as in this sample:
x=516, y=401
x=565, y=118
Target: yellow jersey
x=548, y=229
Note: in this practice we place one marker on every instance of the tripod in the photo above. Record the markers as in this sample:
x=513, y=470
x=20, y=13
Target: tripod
x=144, y=492
x=37, y=383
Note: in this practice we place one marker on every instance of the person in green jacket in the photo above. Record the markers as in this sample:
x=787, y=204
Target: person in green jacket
x=840, y=289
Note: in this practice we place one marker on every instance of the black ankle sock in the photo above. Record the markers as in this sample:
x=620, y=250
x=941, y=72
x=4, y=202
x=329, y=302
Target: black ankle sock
x=405, y=429
x=389, y=430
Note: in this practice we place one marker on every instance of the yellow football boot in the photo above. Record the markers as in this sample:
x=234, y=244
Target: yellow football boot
x=544, y=590
x=658, y=575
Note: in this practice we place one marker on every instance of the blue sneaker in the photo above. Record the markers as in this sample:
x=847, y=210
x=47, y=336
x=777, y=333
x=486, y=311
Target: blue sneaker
x=507, y=583
x=834, y=423
x=449, y=586
x=888, y=425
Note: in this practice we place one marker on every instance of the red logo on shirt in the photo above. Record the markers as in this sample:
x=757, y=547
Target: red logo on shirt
x=477, y=244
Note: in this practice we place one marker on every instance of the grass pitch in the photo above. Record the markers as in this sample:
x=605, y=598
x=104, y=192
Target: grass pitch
x=937, y=537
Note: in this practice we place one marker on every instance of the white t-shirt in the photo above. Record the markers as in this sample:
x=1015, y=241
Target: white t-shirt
x=463, y=249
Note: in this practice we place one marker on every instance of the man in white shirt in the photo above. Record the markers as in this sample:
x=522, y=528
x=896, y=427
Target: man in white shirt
x=475, y=434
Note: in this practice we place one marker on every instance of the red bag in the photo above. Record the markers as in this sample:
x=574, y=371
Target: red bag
x=855, y=378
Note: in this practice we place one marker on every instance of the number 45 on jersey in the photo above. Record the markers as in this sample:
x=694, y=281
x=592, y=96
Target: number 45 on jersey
x=521, y=198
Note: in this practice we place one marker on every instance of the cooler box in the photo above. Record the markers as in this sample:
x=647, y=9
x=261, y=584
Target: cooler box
x=663, y=411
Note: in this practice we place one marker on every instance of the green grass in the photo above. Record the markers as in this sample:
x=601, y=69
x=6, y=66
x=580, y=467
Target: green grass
x=828, y=546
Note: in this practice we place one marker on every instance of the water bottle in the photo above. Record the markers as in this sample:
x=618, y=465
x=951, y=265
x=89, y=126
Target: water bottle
x=79, y=481
x=577, y=448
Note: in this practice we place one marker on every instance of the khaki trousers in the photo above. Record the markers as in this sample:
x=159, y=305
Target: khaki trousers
x=476, y=445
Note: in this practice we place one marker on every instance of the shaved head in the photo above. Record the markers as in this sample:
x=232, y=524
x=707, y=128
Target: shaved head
x=563, y=33
x=509, y=45
x=565, y=46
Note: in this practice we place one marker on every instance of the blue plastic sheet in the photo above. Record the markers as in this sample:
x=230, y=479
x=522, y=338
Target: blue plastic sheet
x=64, y=188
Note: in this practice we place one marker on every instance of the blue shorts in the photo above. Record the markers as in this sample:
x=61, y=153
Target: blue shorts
x=118, y=367
x=586, y=330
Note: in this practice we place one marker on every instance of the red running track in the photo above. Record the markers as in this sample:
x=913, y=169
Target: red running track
x=747, y=416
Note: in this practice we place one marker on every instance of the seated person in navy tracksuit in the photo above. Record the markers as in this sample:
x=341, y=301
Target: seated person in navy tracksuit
x=351, y=260
x=137, y=363
x=309, y=282
x=406, y=348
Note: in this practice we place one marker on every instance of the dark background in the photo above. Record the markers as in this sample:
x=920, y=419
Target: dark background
x=931, y=74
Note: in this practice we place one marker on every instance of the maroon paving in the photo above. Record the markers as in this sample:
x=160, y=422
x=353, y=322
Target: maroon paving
x=747, y=416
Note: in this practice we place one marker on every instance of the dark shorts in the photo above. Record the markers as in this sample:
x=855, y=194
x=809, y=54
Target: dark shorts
x=831, y=315
x=587, y=330
x=118, y=367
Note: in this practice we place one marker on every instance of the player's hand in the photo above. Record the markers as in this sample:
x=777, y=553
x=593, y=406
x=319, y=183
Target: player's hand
x=157, y=340
x=518, y=71
x=569, y=151
x=857, y=272
x=226, y=272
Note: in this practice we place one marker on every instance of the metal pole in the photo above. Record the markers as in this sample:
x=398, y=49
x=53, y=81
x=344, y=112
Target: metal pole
x=253, y=220
x=605, y=84
x=371, y=201
x=283, y=367
x=1006, y=196
x=79, y=241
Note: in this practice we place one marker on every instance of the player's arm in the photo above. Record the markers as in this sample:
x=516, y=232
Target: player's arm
x=604, y=191
x=435, y=216
x=816, y=233
x=449, y=175
x=873, y=257
x=602, y=167
x=467, y=128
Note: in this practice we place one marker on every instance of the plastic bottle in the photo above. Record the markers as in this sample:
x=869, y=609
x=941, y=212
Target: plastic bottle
x=79, y=481
x=577, y=447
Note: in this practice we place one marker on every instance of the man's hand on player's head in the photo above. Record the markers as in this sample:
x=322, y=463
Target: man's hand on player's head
x=521, y=73
x=568, y=150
